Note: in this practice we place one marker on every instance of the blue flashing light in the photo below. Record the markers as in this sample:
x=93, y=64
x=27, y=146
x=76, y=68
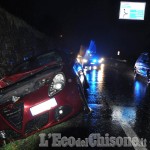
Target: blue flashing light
x=88, y=52
x=94, y=60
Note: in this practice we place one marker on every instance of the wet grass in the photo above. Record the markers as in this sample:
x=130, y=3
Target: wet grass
x=32, y=142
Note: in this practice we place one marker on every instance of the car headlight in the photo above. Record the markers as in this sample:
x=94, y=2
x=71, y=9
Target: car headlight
x=101, y=60
x=57, y=84
x=95, y=67
x=85, y=60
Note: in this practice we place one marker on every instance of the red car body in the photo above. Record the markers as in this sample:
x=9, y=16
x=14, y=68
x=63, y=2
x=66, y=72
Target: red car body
x=23, y=92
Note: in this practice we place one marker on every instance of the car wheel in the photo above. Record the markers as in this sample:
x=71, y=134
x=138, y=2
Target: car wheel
x=83, y=97
x=86, y=84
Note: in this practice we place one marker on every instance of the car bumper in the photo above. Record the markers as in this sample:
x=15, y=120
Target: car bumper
x=22, y=123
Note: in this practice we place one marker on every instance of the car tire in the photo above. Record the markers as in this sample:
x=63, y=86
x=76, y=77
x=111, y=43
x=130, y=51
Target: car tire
x=83, y=97
x=86, y=84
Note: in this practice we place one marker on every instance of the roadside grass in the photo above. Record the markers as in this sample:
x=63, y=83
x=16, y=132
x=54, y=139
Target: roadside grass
x=32, y=142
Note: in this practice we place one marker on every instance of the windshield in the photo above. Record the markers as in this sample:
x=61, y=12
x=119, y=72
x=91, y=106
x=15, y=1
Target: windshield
x=37, y=62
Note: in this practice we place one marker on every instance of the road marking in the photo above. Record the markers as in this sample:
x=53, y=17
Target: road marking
x=130, y=133
x=127, y=129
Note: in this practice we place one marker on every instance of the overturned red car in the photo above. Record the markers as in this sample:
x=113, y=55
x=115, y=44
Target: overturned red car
x=40, y=93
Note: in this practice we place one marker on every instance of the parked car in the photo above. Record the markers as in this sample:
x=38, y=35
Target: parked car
x=142, y=66
x=38, y=94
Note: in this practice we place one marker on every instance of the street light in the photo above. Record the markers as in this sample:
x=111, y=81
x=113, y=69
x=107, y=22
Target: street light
x=60, y=35
x=118, y=53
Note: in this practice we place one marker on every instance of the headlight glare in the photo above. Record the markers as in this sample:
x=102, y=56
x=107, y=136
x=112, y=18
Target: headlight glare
x=101, y=60
x=85, y=60
x=58, y=86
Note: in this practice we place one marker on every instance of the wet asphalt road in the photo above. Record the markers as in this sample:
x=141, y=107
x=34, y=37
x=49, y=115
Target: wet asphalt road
x=120, y=107
x=120, y=103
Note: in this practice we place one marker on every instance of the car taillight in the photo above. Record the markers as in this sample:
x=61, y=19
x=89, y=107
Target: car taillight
x=57, y=84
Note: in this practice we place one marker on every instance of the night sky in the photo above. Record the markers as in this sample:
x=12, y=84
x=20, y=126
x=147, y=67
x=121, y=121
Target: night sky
x=81, y=21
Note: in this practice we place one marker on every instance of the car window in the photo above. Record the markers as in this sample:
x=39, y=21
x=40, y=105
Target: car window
x=144, y=58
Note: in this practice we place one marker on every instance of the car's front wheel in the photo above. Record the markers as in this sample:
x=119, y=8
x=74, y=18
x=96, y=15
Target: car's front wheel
x=83, y=97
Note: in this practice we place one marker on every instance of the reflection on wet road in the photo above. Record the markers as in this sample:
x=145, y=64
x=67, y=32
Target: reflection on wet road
x=115, y=96
x=121, y=108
